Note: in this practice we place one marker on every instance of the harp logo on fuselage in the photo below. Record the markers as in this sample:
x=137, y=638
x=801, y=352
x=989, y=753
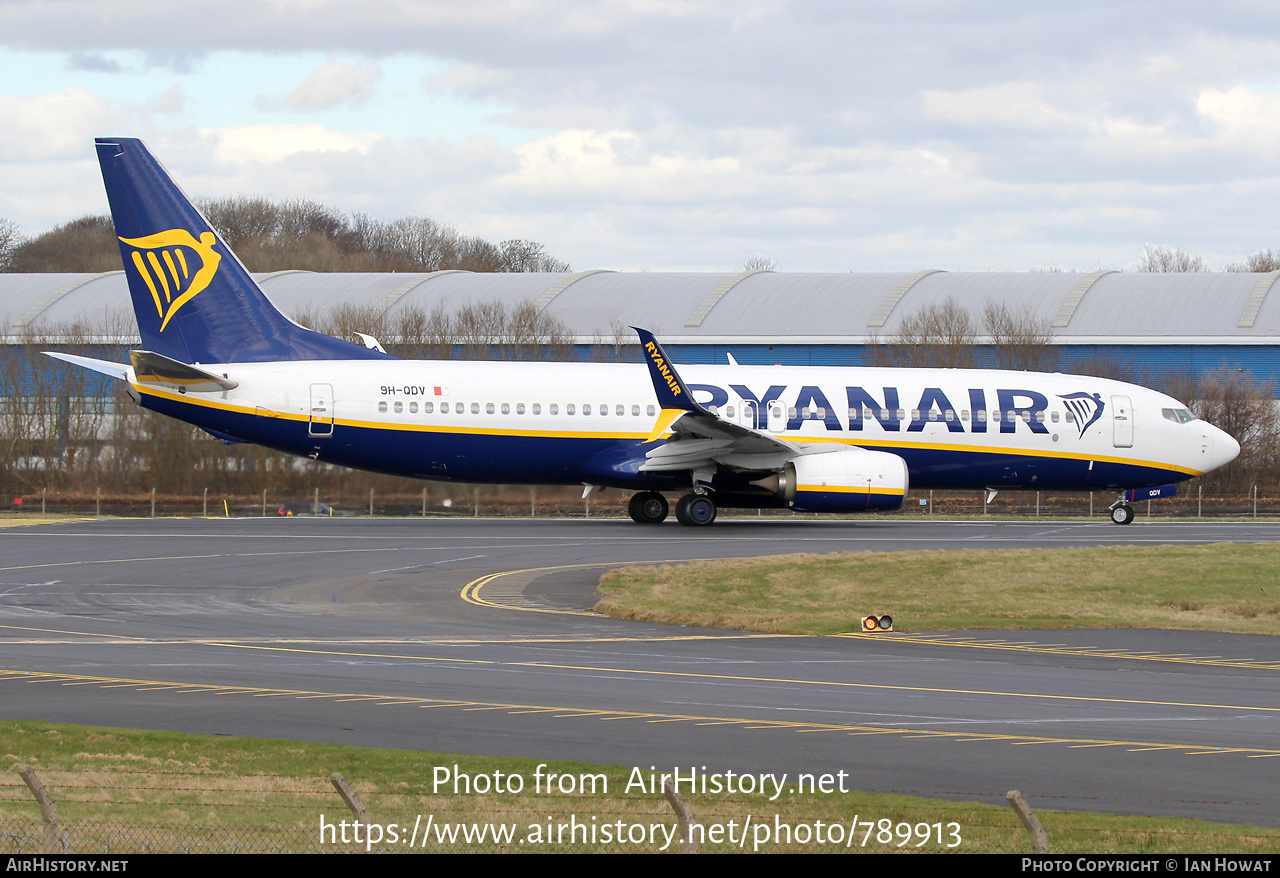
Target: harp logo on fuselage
x=1086, y=407
x=174, y=266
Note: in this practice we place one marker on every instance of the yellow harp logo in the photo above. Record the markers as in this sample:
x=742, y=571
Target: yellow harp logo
x=164, y=260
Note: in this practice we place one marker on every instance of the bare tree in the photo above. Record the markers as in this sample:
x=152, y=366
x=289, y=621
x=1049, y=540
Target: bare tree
x=1113, y=366
x=760, y=262
x=418, y=240
x=10, y=237
x=1020, y=339
x=947, y=336
x=277, y=235
x=85, y=244
x=530, y=334
x=620, y=346
x=1262, y=262
x=1162, y=258
x=519, y=255
x=942, y=336
x=240, y=219
x=1245, y=407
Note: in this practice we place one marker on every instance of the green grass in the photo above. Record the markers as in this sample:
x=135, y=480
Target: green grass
x=123, y=791
x=1224, y=587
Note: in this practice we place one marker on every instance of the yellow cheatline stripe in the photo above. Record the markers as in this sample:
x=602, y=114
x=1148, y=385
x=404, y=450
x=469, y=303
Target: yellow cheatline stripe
x=855, y=489
x=856, y=442
x=666, y=418
x=892, y=445
x=1060, y=649
x=606, y=715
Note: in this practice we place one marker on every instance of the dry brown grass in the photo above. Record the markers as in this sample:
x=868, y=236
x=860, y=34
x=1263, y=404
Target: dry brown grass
x=1226, y=587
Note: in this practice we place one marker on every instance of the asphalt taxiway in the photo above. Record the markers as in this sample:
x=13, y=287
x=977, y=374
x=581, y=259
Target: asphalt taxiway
x=476, y=636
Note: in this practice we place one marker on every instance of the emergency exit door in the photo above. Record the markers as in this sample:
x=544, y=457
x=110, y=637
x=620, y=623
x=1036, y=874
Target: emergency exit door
x=1122, y=421
x=320, y=422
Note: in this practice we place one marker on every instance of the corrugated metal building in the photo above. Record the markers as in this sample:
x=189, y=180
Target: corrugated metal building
x=1161, y=322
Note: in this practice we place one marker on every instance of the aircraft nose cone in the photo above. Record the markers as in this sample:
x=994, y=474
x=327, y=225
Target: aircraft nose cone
x=1223, y=449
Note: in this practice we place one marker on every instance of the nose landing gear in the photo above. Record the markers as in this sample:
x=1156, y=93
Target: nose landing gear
x=1122, y=512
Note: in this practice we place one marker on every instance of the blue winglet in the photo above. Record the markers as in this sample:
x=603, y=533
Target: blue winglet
x=667, y=383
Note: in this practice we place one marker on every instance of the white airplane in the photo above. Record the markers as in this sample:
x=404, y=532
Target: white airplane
x=219, y=355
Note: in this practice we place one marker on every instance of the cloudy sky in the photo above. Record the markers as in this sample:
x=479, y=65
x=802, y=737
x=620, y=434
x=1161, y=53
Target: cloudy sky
x=671, y=135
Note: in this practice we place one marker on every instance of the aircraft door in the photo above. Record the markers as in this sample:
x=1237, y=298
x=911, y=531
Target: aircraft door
x=747, y=413
x=1122, y=421
x=777, y=417
x=320, y=422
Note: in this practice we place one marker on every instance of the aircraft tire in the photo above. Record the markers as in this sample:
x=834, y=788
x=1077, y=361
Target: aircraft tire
x=1122, y=514
x=648, y=507
x=696, y=510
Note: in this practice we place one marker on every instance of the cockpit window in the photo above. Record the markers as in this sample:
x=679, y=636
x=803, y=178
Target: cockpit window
x=1178, y=416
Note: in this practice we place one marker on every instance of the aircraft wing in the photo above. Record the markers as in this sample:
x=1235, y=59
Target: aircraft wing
x=700, y=441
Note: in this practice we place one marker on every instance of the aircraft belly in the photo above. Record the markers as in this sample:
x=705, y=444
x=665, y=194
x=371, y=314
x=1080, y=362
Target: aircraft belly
x=967, y=470
x=439, y=455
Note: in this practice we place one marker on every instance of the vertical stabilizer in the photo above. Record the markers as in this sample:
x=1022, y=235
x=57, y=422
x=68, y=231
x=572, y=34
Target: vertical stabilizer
x=195, y=302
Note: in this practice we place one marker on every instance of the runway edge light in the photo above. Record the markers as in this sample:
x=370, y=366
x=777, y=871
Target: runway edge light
x=876, y=624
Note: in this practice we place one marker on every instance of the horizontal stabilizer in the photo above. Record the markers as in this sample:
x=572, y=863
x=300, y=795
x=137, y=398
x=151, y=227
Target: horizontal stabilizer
x=115, y=370
x=153, y=368
x=226, y=439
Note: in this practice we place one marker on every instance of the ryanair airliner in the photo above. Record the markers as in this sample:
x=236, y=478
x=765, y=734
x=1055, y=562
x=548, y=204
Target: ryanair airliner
x=217, y=354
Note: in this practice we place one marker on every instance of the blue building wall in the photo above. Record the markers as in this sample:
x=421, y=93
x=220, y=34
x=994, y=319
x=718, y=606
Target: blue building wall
x=1150, y=364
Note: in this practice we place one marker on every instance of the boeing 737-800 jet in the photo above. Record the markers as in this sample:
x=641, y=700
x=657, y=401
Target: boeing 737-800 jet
x=217, y=354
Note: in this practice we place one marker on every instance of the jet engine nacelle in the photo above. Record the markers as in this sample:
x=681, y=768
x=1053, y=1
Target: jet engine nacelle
x=842, y=480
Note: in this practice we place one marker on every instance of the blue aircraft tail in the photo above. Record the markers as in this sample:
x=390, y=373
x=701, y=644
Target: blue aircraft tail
x=195, y=302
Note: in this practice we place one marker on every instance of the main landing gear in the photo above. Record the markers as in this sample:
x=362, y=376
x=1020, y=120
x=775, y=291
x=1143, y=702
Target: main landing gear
x=648, y=507
x=696, y=510
x=693, y=510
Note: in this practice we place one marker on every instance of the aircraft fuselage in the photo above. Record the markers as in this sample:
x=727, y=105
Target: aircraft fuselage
x=571, y=423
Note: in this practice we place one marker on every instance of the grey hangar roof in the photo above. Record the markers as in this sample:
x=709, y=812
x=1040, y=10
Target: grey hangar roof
x=775, y=308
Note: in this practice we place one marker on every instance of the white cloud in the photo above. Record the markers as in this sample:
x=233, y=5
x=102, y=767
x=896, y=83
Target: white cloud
x=1244, y=120
x=274, y=143
x=332, y=85
x=49, y=126
x=616, y=165
x=1011, y=105
x=679, y=134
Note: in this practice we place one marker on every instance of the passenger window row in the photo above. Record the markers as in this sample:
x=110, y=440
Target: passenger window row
x=807, y=413
x=507, y=408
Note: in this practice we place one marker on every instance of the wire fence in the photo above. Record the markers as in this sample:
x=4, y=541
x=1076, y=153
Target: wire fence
x=498, y=501
x=184, y=811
